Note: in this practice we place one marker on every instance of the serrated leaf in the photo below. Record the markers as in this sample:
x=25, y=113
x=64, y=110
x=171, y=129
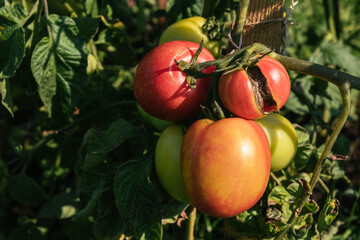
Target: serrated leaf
x=278, y=196
x=109, y=139
x=12, y=15
x=91, y=205
x=13, y=52
x=59, y=66
x=304, y=221
x=336, y=53
x=328, y=213
x=43, y=67
x=303, y=135
x=108, y=223
x=25, y=190
x=6, y=99
x=137, y=200
x=87, y=27
x=176, y=10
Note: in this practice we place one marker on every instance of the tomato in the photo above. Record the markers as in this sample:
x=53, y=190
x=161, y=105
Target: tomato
x=253, y=92
x=225, y=165
x=167, y=162
x=282, y=138
x=158, y=124
x=160, y=87
x=190, y=29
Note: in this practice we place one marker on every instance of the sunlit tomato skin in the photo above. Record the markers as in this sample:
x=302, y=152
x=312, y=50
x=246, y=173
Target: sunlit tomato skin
x=282, y=138
x=160, y=87
x=167, y=162
x=190, y=29
x=236, y=91
x=225, y=165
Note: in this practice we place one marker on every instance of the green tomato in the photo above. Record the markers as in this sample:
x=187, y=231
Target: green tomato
x=157, y=123
x=167, y=162
x=282, y=138
x=190, y=29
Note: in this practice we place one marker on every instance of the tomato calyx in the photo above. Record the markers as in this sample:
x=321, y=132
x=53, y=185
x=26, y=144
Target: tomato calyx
x=192, y=70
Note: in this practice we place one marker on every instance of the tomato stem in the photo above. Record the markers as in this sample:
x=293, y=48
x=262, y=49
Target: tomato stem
x=191, y=224
x=346, y=100
x=236, y=34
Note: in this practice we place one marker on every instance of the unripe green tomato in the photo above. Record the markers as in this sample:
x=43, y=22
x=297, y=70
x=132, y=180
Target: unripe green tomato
x=167, y=162
x=157, y=123
x=190, y=29
x=3, y=178
x=282, y=138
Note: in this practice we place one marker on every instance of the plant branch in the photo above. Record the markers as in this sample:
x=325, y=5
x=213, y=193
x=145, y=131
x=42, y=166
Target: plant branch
x=236, y=33
x=319, y=71
x=46, y=9
x=346, y=101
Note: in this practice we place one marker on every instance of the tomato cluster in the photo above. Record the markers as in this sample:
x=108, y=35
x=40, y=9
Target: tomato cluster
x=221, y=167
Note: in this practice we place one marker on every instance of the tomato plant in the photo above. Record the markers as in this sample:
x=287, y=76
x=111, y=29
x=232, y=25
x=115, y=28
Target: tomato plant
x=79, y=154
x=167, y=162
x=254, y=91
x=161, y=88
x=190, y=29
x=225, y=165
x=282, y=138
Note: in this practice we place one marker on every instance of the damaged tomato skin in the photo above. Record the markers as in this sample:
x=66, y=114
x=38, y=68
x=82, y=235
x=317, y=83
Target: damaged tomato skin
x=237, y=94
x=160, y=87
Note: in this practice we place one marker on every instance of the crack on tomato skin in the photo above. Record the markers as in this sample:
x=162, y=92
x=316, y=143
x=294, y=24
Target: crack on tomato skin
x=261, y=90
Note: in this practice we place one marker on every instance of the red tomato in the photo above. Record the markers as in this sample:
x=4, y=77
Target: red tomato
x=160, y=87
x=225, y=165
x=236, y=89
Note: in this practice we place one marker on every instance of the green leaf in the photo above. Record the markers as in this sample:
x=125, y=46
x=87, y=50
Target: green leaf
x=25, y=190
x=176, y=10
x=13, y=52
x=87, y=27
x=137, y=200
x=108, y=223
x=6, y=99
x=109, y=139
x=91, y=205
x=120, y=8
x=61, y=206
x=278, y=196
x=43, y=67
x=303, y=135
x=12, y=15
x=91, y=8
x=328, y=213
x=336, y=53
x=59, y=66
